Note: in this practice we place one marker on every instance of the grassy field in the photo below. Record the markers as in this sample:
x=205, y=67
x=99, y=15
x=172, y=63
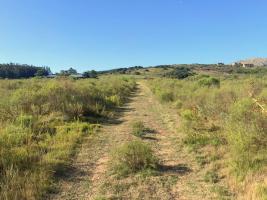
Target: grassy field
x=138, y=136
x=224, y=121
x=42, y=123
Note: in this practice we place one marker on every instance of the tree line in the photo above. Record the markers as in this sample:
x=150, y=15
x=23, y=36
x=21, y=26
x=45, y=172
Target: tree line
x=14, y=71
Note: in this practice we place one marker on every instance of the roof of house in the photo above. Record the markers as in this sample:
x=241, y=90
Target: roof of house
x=76, y=76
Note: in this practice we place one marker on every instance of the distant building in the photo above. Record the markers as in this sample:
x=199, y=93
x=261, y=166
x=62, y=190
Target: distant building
x=220, y=64
x=237, y=64
x=77, y=76
x=247, y=65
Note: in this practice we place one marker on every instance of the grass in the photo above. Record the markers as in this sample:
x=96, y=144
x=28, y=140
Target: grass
x=261, y=192
x=27, y=174
x=42, y=122
x=220, y=113
x=100, y=198
x=211, y=177
x=137, y=187
x=198, y=140
x=133, y=157
x=222, y=192
x=201, y=160
x=138, y=129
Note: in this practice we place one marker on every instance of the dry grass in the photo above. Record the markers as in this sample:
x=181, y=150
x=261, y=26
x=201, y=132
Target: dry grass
x=42, y=123
x=225, y=117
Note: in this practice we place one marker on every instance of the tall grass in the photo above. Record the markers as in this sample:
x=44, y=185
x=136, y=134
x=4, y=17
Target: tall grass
x=41, y=122
x=223, y=112
x=132, y=157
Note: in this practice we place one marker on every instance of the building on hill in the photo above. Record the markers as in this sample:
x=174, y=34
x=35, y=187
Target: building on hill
x=241, y=64
x=247, y=65
x=75, y=76
x=237, y=64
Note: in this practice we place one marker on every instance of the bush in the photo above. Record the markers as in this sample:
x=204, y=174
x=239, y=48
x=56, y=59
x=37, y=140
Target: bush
x=178, y=104
x=247, y=137
x=211, y=176
x=133, y=157
x=180, y=73
x=188, y=115
x=166, y=96
x=138, y=129
x=210, y=81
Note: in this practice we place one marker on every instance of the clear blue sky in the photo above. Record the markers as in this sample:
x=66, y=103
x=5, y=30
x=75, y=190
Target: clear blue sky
x=104, y=34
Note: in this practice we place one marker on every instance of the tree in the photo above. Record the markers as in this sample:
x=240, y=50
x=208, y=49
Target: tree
x=13, y=70
x=72, y=71
x=179, y=73
x=90, y=74
x=42, y=72
x=68, y=72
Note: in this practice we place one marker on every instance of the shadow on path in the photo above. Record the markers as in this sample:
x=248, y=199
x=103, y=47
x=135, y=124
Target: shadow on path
x=181, y=169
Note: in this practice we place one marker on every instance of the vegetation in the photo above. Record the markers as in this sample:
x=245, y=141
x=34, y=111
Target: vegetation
x=179, y=73
x=132, y=157
x=68, y=72
x=211, y=176
x=209, y=82
x=90, y=74
x=125, y=70
x=138, y=129
x=222, y=113
x=41, y=123
x=15, y=71
x=223, y=122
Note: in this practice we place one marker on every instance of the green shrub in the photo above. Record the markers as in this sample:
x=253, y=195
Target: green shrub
x=200, y=139
x=211, y=177
x=25, y=121
x=180, y=73
x=247, y=137
x=210, y=81
x=166, y=96
x=178, y=104
x=138, y=129
x=188, y=115
x=133, y=157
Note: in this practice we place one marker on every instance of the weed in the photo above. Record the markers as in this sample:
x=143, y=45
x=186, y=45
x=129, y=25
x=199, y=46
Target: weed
x=211, y=177
x=201, y=160
x=210, y=81
x=222, y=192
x=138, y=129
x=133, y=157
x=100, y=198
x=261, y=192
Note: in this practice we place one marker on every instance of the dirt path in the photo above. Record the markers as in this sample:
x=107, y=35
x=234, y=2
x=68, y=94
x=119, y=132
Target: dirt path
x=179, y=176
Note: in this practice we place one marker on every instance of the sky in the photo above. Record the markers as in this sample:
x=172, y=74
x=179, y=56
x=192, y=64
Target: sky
x=105, y=34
